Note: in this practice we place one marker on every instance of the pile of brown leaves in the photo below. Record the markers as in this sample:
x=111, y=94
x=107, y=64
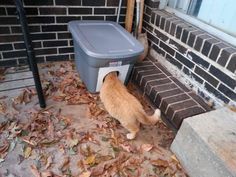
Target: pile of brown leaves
x=44, y=127
x=70, y=89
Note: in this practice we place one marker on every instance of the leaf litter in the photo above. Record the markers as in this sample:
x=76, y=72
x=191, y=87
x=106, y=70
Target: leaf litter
x=59, y=143
x=2, y=74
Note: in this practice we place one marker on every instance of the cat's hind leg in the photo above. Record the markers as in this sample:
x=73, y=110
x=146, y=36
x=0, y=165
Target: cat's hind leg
x=133, y=129
x=131, y=135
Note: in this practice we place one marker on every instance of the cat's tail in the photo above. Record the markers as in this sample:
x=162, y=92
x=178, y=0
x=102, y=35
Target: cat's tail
x=150, y=120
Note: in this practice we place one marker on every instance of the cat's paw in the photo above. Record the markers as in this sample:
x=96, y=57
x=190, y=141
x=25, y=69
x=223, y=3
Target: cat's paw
x=157, y=113
x=131, y=136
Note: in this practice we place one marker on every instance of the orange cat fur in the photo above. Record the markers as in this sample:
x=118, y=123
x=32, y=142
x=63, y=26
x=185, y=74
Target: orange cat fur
x=125, y=107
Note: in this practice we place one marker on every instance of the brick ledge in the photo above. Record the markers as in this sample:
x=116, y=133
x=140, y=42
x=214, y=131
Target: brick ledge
x=175, y=100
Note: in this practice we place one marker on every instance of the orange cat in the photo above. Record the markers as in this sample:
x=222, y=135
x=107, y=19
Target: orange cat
x=125, y=107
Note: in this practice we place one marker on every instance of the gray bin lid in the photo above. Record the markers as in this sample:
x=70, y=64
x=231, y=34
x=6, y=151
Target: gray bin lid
x=104, y=39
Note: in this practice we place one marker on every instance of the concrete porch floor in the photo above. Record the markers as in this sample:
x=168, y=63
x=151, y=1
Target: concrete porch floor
x=206, y=144
x=74, y=136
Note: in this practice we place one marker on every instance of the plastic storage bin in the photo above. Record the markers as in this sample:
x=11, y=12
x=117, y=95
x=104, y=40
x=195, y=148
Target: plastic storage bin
x=101, y=47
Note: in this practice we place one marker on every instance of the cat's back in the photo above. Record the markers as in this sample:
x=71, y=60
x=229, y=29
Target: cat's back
x=114, y=95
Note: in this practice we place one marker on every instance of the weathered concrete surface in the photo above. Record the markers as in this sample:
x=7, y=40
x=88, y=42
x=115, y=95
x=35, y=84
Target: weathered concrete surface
x=206, y=144
x=100, y=136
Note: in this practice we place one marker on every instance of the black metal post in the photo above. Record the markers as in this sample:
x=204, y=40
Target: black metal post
x=30, y=52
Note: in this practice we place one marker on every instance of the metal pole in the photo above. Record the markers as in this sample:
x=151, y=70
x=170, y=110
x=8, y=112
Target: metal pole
x=118, y=13
x=30, y=52
x=137, y=18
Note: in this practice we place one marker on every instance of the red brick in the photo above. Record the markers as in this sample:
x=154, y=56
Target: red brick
x=136, y=71
x=145, y=68
x=169, y=93
x=180, y=115
x=179, y=106
x=160, y=88
x=144, y=80
x=156, y=83
x=200, y=101
x=134, y=74
x=146, y=73
x=144, y=63
x=166, y=101
x=163, y=69
x=182, y=86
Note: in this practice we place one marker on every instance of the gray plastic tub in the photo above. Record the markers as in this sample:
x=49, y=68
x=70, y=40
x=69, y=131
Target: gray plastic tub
x=101, y=47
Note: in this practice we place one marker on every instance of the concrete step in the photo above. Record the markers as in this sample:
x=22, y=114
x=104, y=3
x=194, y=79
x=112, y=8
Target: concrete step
x=206, y=144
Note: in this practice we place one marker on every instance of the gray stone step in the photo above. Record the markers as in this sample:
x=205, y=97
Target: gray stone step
x=206, y=144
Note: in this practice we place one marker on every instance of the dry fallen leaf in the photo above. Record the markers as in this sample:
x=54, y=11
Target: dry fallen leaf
x=114, y=137
x=174, y=158
x=85, y=150
x=90, y=160
x=102, y=158
x=160, y=163
x=55, y=175
x=73, y=142
x=95, y=110
x=2, y=73
x=15, y=129
x=20, y=159
x=85, y=174
x=4, y=149
x=65, y=164
x=49, y=162
x=62, y=70
x=32, y=143
x=35, y=171
x=146, y=147
x=127, y=147
x=47, y=174
x=23, y=98
x=14, y=108
x=3, y=107
x=102, y=124
x=27, y=152
x=50, y=129
x=103, y=166
x=232, y=108
x=3, y=126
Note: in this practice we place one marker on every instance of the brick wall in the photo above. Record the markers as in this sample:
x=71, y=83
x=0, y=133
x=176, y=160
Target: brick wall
x=48, y=25
x=208, y=63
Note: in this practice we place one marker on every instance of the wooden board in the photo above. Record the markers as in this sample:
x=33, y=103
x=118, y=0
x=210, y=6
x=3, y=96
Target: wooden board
x=11, y=85
x=18, y=76
x=16, y=79
x=141, y=16
x=129, y=15
x=13, y=93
